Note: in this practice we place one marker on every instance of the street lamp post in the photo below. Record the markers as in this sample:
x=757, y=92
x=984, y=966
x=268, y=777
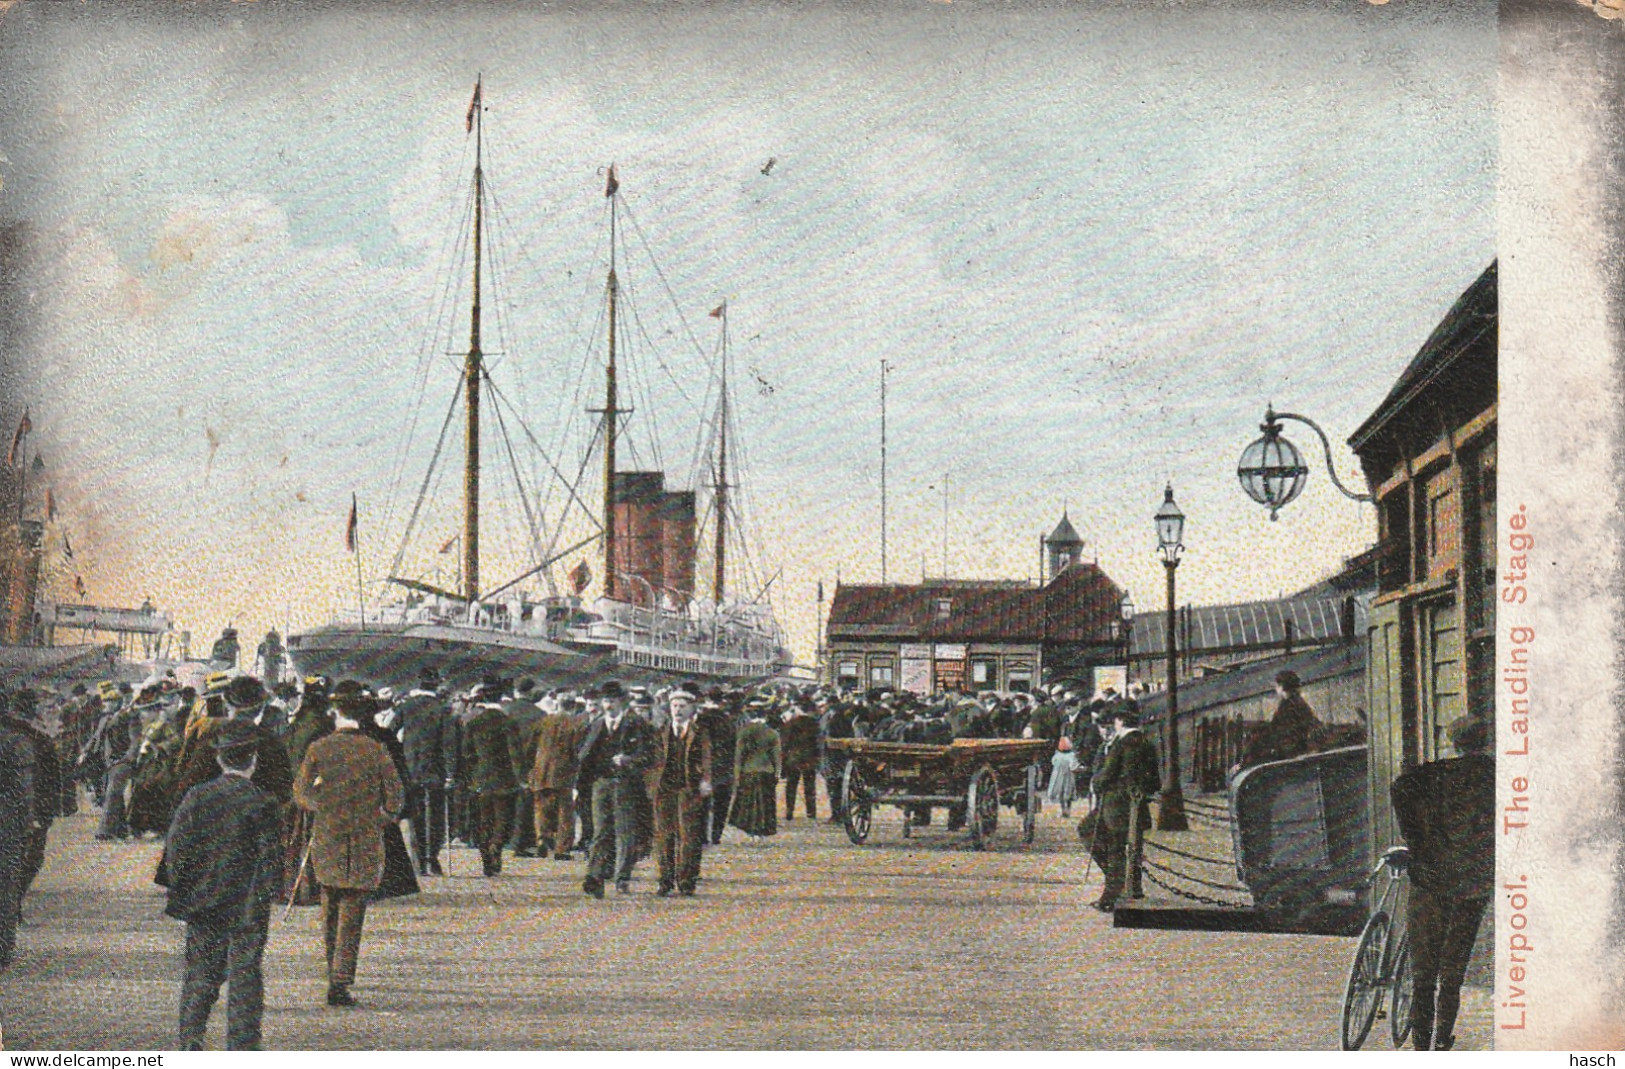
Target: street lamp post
x=1170, y=532
x=1125, y=612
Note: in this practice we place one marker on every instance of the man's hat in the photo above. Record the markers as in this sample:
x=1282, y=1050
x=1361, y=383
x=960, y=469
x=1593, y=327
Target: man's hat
x=234, y=735
x=1289, y=679
x=611, y=689
x=315, y=684
x=150, y=695
x=349, y=693
x=244, y=692
x=78, y=689
x=524, y=686
x=1126, y=712
x=682, y=693
x=643, y=699
x=427, y=674
x=216, y=683
x=1469, y=734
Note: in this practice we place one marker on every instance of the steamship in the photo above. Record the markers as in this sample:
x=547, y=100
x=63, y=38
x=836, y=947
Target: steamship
x=651, y=622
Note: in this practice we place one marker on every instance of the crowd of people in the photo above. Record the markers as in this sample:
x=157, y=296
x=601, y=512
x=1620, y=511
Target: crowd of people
x=297, y=794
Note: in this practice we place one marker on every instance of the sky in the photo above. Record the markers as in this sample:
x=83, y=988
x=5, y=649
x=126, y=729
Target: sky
x=1092, y=241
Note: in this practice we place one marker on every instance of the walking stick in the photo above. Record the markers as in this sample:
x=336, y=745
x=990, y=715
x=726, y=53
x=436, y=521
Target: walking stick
x=298, y=878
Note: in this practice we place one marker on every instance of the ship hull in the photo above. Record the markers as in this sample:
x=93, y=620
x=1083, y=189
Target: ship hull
x=397, y=656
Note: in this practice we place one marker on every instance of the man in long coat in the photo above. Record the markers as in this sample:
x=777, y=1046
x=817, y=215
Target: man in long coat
x=684, y=764
x=1446, y=813
x=348, y=782
x=24, y=717
x=223, y=859
x=490, y=772
x=17, y=820
x=553, y=776
x=798, y=732
x=1126, y=781
x=428, y=737
x=718, y=721
x=1293, y=731
x=120, y=740
x=616, y=752
x=526, y=716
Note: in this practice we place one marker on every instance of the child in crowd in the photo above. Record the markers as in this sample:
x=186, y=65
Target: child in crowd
x=1063, y=780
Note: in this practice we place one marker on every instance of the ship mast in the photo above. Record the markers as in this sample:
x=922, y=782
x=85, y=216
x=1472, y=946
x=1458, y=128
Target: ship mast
x=611, y=411
x=719, y=581
x=471, y=382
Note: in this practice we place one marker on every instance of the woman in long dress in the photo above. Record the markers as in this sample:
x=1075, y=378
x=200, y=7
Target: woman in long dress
x=758, y=764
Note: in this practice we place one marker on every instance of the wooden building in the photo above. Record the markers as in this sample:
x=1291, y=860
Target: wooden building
x=1428, y=452
x=973, y=635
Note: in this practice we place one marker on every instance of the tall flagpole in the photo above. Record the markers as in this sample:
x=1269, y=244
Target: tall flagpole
x=355, y=547
x=884, y=368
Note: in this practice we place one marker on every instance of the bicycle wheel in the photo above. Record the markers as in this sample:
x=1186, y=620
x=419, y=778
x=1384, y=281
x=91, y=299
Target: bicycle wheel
x=1399, y=1016
x=1363, y=995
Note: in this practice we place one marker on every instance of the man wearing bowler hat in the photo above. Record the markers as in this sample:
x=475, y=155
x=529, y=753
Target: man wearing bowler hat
x=1126, y=781
x=223, y=866
x=1446, y=813
x=348, y=781
x=609, y=777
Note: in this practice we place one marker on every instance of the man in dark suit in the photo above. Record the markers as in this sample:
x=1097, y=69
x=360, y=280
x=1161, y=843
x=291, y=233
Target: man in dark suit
x=684, y=761
x=1126, y=781
x=721, y=723
x=17, y=817
x=491, y=772
x=609, y=777
x=527, y=718
x=428, y=737
x=224, y=869
x=799, y=734
x=24, y=717
x=1446, y=812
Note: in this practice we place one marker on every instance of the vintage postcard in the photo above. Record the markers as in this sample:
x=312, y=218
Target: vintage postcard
x=856, y=526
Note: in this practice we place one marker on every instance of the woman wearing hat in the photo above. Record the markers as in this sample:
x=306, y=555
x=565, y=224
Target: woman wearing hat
x=757, y=766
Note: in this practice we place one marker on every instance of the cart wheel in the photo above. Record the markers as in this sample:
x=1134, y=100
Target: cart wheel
x=982, y=806
x=1363, y=995
x=1029, y=815
x=1399, y=1017
x=856, y=796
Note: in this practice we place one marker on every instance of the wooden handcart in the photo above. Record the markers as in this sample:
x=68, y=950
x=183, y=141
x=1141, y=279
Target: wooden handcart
x=972, y=777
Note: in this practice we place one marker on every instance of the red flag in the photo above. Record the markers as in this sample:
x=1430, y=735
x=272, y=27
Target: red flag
x=716, y=313
x=580, y=576
x=67, y=547
x=473, y=106
x=349, y=528
x=452, y=541
x=23, y=428
x=79, y=588
x=613, y=184
x=50, y=504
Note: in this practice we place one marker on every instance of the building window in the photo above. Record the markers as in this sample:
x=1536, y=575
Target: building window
x=881, y=675
x=1021, y=679
x=846, y=675
x=945, y=608
x=982, y=673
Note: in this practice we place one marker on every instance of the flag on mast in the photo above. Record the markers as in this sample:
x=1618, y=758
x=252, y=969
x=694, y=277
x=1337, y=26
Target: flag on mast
x=67, y=547
x=349, y=528
x=50, y=504
x=716, y=313
x=24, y=426
x=580, y=576
x=452, y=541
x=79, y=588
x=613, y=184
x=473, y=106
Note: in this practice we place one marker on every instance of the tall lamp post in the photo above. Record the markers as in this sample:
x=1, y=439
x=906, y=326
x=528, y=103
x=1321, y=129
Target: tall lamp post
x=1170, y=532
x=1123, y=631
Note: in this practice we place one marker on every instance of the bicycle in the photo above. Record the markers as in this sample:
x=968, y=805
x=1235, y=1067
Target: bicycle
x=1382, y=963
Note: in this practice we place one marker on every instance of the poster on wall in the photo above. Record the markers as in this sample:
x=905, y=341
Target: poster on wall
x=915, y=676
x=1114, y=676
